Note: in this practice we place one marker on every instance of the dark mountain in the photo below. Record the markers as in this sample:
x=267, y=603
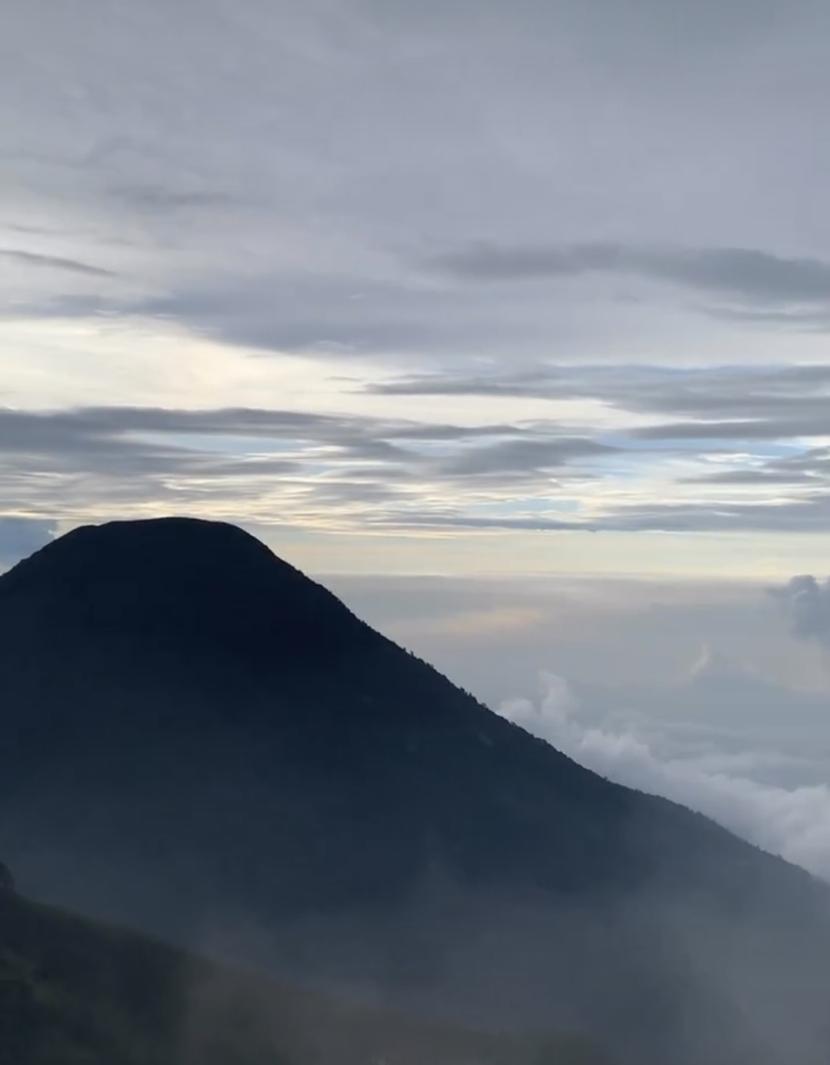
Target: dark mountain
x=201, y=742
x=76, y=993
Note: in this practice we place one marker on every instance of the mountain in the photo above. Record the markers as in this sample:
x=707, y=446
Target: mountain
x=77, y=993
x=202, y=743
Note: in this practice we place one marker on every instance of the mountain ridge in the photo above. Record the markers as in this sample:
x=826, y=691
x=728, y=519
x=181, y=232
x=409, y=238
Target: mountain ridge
x=191, y=537
x=74, y=991
x=182, y=726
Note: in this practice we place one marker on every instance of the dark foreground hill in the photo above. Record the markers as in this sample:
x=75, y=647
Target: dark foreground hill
x=75, y=993
x=199, y=741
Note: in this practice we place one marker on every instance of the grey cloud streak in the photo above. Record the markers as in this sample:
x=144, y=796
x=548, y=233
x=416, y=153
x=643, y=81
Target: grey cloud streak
x=162, y=199
x=657, y=388
x=748, y=429
x=522, y=456
x=743, y=273
x=353, y=312
x=53, y=262
x=461, y=521
x=385, y=472
x=809, y=514
x=705, y=516
x=763, y=403
x=811, y=467
x=322, y=462
x=41, y=430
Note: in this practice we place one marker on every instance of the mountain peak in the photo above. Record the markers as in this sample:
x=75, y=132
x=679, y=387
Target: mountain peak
x=128, y=545
x=175, y=582
x=193, y=728
x=152, y=553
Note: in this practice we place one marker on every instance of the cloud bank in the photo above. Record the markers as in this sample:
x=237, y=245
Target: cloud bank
x=791, y=822
x=503, y=269
x=603, y=453
x=806, y=602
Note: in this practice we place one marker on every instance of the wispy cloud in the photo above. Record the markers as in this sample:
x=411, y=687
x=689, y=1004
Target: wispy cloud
x=745, y=274
x=53, y=262
x=310, y=468
x=396, y=473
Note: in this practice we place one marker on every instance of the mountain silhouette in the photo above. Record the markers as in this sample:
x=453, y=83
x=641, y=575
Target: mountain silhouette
x=201, y=742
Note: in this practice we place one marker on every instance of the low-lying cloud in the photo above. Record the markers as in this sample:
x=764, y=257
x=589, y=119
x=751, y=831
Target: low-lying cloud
x=791, y=822
x=806, y=601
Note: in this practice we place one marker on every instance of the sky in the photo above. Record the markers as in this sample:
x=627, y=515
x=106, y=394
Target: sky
x=531, y=287
x=510, y=319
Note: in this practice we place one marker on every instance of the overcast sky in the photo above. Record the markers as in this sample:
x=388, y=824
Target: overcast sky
x=464, y=281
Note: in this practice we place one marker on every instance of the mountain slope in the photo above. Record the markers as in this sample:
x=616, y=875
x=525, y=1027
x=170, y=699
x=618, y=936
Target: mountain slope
x=200, y=741
x=75, y=992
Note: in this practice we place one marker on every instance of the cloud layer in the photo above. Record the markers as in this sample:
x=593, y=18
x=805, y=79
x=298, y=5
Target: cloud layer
x=345, y=174
x=417, y=269
x=608, y=453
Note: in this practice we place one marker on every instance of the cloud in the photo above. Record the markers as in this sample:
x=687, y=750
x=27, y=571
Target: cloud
x=758, y=478
x=558, y=135
x=808, y=514
x=745, y=274
x=806, y=602
x=745, y=392
x=438, y=519
x=305, y=467
x=792, y=822
x=586, y=143
x=525, y=456
x=314, y=469
x=811, y=467
x=156, y=197
x=767, y=403
x=362, y=436
x=749, y=429
x=53, y=262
